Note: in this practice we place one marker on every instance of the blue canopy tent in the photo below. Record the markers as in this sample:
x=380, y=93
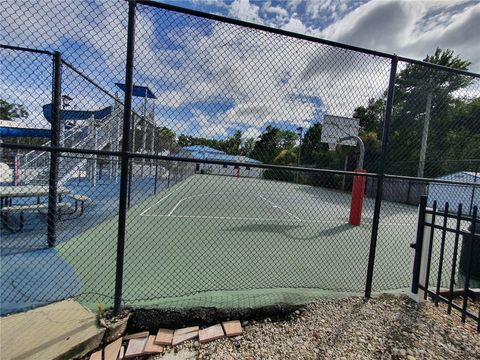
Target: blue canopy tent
x=138, y=91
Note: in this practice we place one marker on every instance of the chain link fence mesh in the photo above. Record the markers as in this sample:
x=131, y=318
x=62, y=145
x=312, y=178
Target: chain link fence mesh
x=233, y=199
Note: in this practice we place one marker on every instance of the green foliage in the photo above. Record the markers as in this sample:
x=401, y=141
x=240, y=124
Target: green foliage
x=272, y=141
x=286, y=157
x=165, y=139
x=412, y=87
x=371, y=116
x=9, y=111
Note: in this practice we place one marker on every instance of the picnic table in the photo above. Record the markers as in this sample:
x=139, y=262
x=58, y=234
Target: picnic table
x=8, y=193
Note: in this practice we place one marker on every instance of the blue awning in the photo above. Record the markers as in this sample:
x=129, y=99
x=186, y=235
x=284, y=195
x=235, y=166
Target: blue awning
x=139, y=91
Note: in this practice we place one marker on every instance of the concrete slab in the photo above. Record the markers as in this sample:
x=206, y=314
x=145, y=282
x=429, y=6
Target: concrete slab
x=57, y=331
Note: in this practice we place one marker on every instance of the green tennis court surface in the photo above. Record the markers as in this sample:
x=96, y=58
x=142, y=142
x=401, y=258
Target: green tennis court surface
x=239, y=242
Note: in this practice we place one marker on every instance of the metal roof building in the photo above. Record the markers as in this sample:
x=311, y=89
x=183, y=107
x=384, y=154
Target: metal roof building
x=467, y=195
x=202, y=152
x=207, y=153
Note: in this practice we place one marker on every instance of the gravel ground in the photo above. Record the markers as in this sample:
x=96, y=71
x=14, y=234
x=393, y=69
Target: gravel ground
x=386, y=327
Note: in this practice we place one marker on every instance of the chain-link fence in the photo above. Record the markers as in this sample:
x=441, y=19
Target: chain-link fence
x=157, y=156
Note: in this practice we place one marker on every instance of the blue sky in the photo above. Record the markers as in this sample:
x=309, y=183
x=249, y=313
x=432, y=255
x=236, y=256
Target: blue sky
x=212, y=79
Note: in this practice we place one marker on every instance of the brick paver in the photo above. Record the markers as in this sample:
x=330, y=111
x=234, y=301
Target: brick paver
x=135, y=347
x=96, y=355
x=232, y=328
x=111, y=350
x=164, y=337
x=151, y=347
x=178, y=339
x=186, y=330
x=138, y=335
x=211, y=333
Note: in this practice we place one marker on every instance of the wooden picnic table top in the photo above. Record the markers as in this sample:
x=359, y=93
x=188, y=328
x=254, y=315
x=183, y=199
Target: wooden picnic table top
x=28, y=191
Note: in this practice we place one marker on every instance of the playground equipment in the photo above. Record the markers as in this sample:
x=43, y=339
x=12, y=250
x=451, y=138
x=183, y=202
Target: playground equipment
x=80, y=130
x=143, y=123
x=94, y=130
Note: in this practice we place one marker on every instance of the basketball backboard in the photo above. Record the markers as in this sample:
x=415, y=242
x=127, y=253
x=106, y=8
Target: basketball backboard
x=335, y=128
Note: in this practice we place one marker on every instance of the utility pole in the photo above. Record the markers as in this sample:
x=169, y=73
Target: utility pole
x=426, y=125
x=300, y=132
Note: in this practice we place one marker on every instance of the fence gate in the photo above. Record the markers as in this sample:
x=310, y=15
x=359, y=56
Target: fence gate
x=446, y=264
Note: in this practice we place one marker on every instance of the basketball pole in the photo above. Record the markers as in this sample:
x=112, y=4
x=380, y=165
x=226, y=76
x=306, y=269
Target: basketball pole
x=358, y=187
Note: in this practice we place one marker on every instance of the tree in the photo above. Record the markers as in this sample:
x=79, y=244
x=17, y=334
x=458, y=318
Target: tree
x=313, y=151
x=286, y=157
x=272, y=141
x=371, y=117
x=423, y=93
x=232, y=145
x=247, y=147
x=10, y=111
x=165, y=139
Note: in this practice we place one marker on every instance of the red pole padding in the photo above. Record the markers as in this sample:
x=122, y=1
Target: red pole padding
x=358, y=193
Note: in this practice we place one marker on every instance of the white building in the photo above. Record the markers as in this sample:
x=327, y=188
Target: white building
x=468, y=195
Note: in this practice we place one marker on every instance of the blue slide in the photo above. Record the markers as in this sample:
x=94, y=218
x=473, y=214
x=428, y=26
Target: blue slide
x=6, y=131
x=65, y=115
x=76, y=114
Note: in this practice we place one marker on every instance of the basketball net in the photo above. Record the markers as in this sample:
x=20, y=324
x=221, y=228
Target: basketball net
x=332, y=146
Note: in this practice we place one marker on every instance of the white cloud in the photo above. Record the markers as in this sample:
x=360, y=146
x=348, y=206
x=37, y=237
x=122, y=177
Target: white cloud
x=268, y=78
x=243, y=9
x=295, y=25
x=405, y=28
x=277, y=10
x=293, y=4
x=216, y=131
x=251, y=133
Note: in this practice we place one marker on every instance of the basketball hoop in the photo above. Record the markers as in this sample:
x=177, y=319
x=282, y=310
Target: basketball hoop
x=332, y=146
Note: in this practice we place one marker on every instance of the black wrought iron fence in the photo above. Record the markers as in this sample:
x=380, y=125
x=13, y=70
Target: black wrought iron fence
x=188, y=163
x=446, y=265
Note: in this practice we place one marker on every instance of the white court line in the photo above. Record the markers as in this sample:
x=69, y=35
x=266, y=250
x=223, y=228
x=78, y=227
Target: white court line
x=188, y=197
x=163, y=198
x=279, y=207
x=171, y=212
x=265, y=219
x=214, y=217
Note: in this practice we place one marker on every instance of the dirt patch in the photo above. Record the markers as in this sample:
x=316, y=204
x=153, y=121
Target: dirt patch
x=153, y=319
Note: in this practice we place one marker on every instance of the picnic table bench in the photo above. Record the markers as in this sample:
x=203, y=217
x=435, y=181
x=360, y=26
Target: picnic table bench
x=7, y=193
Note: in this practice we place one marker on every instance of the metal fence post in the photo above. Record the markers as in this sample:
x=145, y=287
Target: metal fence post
x=378, y=198
x=127, y=113
x=54, y=156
